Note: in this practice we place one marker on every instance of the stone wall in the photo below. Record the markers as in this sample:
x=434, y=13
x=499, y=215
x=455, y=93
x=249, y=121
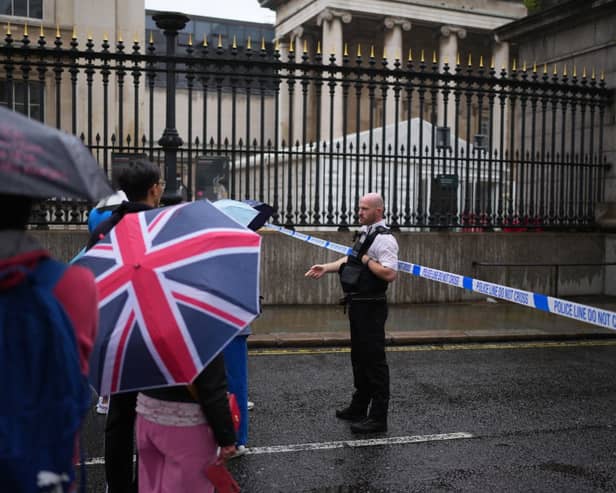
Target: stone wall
x=285, y=260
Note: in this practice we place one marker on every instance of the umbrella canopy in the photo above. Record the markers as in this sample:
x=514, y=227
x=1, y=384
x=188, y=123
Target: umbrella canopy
x=236, y=210
x=249, y=213
x=265, y=212
x=39, y=161
x=175, y=286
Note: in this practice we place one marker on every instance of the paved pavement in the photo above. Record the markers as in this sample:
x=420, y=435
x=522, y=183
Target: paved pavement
x=480, y=321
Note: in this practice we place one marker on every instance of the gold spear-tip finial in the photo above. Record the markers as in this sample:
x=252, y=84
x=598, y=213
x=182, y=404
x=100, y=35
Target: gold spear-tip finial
x=545, y=68
x=422, y=57
x=105, y=37
x=276, y=45
x=346, y=50
x=524, y=66
x=492, y=63
x=458, y=58
x=205, y=45
x=58, y=31
x=249, y=43
x=358, y=50
x=8, y=28
x=219, y=40
x=410, y=54
x=305, y=47
x=434, y=60
x=318, y=47
x=371, y=51
x=602, y=75
x=74, y=35
x=384, y=54
x=292, y=46
x=42, y=33
x=593, y=74
x=574, y=71
x=470, y=60
x=555, y=70
x=151, y=40
x=25, y=29
x=480, y=61
x=584, y=72
x=234, y=43
x=514, y=66
x=262, y=43
x=565, y=70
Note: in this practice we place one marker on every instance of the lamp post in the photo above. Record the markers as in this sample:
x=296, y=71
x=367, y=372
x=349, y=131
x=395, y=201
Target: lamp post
x=170, y=23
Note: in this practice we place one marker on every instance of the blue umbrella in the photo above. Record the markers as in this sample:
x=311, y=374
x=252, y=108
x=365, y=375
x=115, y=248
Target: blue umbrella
x=250, y=213
x=236, y=210
x=265, y=212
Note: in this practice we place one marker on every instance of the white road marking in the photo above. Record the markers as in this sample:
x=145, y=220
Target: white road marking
x=308, y=447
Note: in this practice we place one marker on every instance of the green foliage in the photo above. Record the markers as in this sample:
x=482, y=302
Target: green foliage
x=532, y=5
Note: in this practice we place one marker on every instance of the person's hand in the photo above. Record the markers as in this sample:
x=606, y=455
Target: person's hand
x=227, y=452
x=315, y=272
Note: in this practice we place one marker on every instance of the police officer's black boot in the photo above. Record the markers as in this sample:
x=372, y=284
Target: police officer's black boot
x=356, y=411
x=376, y=422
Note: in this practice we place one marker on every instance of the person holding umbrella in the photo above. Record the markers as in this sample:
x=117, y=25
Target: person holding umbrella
x=176, y=285
x=141, y=183
x=46, y=332
x=252, y=214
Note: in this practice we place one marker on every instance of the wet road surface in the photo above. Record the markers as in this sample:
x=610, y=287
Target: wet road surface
x=472, y=417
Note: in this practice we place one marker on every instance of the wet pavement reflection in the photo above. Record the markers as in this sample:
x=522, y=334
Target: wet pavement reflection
x=470, y=316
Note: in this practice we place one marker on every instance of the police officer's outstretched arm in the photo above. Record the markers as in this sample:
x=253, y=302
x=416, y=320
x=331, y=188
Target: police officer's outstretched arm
x=317, y=270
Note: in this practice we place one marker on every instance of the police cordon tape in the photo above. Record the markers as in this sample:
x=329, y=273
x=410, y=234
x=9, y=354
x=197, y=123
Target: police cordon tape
x=557, y=306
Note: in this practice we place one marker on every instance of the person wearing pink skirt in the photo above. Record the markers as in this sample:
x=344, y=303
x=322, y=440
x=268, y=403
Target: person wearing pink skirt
x=178, y=436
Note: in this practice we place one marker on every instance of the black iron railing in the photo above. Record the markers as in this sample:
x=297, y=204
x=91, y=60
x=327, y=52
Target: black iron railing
x=448, y=146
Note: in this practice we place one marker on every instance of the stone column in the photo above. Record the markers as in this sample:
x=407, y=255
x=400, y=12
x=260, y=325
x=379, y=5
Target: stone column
x=300, y=35
x=448, y=53
x=283, y=96
x=393, y=49
x=501, y=60
x=331, y=21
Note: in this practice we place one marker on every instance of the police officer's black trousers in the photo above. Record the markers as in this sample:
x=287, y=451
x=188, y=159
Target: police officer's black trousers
x=370, y=370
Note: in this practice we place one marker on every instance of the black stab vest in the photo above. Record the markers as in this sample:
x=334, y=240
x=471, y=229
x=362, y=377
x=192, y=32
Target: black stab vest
x=357, y=278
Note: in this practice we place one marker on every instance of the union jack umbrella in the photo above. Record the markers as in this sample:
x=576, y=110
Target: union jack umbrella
x=175, y=285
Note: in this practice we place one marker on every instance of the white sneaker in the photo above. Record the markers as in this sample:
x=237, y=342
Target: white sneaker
x=101, y=406
x=251, y=405
x=241, y=450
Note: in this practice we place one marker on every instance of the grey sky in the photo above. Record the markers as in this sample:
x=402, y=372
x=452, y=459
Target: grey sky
x=246, y=10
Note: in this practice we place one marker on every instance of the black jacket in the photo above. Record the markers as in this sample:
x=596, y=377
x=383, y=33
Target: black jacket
x=211, y=387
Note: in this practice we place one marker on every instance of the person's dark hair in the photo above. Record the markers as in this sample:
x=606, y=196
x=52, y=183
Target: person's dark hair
x=137, y=178
x=14, y=211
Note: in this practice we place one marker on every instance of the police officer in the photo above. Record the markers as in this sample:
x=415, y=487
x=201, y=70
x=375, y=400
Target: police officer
x=365, y=275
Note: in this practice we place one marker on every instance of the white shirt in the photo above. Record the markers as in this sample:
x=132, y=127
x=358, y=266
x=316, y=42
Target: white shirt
x=384, y=248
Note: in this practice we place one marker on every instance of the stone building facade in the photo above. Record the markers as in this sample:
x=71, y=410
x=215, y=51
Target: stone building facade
x=445, y=30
